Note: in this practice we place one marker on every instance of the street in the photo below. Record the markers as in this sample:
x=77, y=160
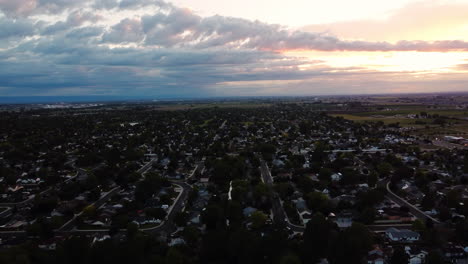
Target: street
x=279, y=215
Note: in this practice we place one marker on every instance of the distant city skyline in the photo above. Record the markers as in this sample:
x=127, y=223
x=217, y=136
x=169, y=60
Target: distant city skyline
x=207, y=48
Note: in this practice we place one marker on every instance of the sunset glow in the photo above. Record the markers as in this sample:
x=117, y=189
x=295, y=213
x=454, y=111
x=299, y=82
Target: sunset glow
x=205, y=47
x=389, y=61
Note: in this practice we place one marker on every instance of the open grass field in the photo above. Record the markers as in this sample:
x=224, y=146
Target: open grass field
x=457, y=124
x=417, y=110
x=404, y=122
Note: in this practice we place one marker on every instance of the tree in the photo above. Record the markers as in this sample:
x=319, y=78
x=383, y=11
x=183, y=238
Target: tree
x=284, y=189
x=318, y=202
x=157, y=213
x=372, y=179
x=404, y=172
x=350, y=176
x=191, y=235
x=453, y=198
x=89, y=211
x=290, y=259
x=370, y=198
x=352, y=245
x=44, y=205
x=462, y=230
x=91, y=182
x=317, y=238
x=419, y=226
x=174, y=256
x=42, y=228
x=434, y=257
x=368, y=215
x=149, y=186
x=261, y=190
x=212, y=216
x=384, y=169
x=258, y=219
x=428, y=202
x=180, y=219
x=399, y=256
x=234, y=213
x=132, y=230
x=325, y=174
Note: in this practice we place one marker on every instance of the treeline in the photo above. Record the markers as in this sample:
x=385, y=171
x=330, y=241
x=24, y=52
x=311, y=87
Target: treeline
x=220, y=244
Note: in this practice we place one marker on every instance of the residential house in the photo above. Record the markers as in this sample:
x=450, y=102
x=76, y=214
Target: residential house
x=401, y=235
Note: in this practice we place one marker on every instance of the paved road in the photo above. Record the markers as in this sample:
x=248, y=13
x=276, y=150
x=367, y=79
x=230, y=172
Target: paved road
x=167, y=226
x=31, y=199
x=69, y=225
x=6, y=212
x=279, y=215
x=402, y=202
x=146, y=167
x=223, y=124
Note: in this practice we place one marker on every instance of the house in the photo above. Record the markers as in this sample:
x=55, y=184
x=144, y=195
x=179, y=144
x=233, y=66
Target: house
x=300, y=204
x=402, y=235
x=453, y=252
x=195, y=220
x=336, y=176
x=176, y=241
x=416, y=256
x=204, y=179
x=375, y=256
x=278, y=163
x=248, y=211
x=305, y=216
x=344, y=220
x=100, y=238
x=98, y=223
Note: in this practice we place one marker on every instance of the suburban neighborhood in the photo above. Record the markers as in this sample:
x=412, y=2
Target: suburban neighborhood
x=377, y=192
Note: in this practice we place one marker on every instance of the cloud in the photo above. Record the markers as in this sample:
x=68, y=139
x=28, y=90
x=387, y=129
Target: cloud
x=128, y=30
x=172, y=26
x=172, y=51
x=426, y=20
x=19, y=8
x=75, y=19
x=462, y=67
x=182, y=28
x=15, y=28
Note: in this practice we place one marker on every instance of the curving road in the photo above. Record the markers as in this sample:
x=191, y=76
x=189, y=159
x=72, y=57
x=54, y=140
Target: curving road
x=279, y=215
x=166, y=226
x=402, y=202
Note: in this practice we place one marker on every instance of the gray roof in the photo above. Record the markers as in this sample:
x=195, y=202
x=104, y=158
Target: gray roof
x=401, y=233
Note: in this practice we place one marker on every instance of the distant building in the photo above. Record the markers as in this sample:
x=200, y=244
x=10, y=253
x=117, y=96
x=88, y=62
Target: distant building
x=453, y=139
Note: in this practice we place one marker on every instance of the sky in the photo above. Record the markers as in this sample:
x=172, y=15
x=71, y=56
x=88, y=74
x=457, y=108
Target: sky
x=204, y=48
